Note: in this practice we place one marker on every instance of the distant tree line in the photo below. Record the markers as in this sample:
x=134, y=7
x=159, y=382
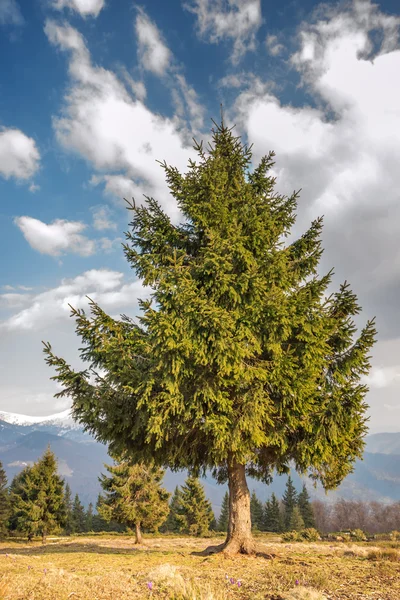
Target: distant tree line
x=342, y=515
x=38, y=503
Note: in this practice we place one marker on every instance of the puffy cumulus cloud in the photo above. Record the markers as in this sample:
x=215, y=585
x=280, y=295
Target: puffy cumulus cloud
x=19, y=156
x=236, y=20
x=101, y=285
x=343, y=151
x=154, y=54
x=85, y=8
x=103, y=123
x=56, y=238
x=10, y=13
x=102, y=218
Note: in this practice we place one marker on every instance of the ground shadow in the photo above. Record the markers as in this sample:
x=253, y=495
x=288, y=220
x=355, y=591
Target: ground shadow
x=74, y=547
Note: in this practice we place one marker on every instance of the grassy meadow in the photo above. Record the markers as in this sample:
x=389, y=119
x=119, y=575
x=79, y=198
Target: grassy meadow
x=172, y=568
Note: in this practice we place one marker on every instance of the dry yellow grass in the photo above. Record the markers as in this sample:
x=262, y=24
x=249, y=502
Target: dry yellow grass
x=112, y=568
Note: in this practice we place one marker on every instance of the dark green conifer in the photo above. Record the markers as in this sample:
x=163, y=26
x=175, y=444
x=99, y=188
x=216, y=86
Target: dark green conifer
x=224, y=514
x=296, y=520
x=194, y=514
x=78, y=516
x=306, y=508
x=272, y=515
x=69, y=525
x=4, y=502
x=134, y=496
x=89, y=518
x=37, y=498
x=239, y=362
x=172, y=524
x=257, y=513
x=289, y=501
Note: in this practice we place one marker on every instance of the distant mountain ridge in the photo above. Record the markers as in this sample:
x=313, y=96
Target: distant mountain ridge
x=81, y=459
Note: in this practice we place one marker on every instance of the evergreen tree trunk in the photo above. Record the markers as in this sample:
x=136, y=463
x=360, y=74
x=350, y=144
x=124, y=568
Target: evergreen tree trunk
x=138, y=533
x=44, y=536
x=239, y=538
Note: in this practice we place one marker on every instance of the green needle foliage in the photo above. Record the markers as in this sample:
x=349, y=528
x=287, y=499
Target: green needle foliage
x=4, y=503
x=224, y=515
x=257, y=513
x=37, y=498
x=306, y=509
x=78, y=516
x=172, y=523
x=69, y=526
x=239, y=357
x=289, y=501
x=296, y=520
x=194, y=514
x=272, y=515
x=134, y=496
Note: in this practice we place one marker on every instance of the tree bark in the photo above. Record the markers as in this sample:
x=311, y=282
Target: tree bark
x=138, y=534
x=44, y=536
x=239, y=538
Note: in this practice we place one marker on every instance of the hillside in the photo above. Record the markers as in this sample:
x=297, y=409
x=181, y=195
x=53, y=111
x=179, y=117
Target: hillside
x=23, y=439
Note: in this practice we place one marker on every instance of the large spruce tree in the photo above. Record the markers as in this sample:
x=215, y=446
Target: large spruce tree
x=134, y=496
x=37, y=498
x=240, y=362
x=4, y=502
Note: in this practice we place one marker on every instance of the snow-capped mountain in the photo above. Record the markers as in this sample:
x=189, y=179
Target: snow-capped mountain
x=63, y=419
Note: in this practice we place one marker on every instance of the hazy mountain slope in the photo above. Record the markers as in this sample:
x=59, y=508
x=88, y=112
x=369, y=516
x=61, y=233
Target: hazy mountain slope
x=23, y=439
x=383, y=443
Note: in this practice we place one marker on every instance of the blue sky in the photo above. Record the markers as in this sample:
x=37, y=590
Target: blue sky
x=93, y=92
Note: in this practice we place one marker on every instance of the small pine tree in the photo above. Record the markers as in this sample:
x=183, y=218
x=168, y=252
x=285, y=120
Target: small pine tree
x=272, y=515
x=78, y=516
x=289, y=501
x=256, y=512
x=172, y=524
x=224, y=515
x=296, y=520
x=306, y=509
x=89, y=518
x=37, y=498
x=69, y=526
x=134, y=496
x=4, y=503
x=195, y=514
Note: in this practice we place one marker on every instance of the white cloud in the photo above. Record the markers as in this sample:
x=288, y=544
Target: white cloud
x=83, y=7
x=102, y=285
x=391, y=407
x=153, y=53
x=19, y=156
x=10, y=13
x=344, y=153
x=382, y=377
x=237, y=20
x=56, y=238
x=273, y=46
x=114, y=132
x=102, y=218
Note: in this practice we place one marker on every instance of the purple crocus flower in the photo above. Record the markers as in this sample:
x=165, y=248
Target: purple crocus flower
x=297, y=582
x=45, y=571
x=239, y=583
x=232, y=580
x=150, y=585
